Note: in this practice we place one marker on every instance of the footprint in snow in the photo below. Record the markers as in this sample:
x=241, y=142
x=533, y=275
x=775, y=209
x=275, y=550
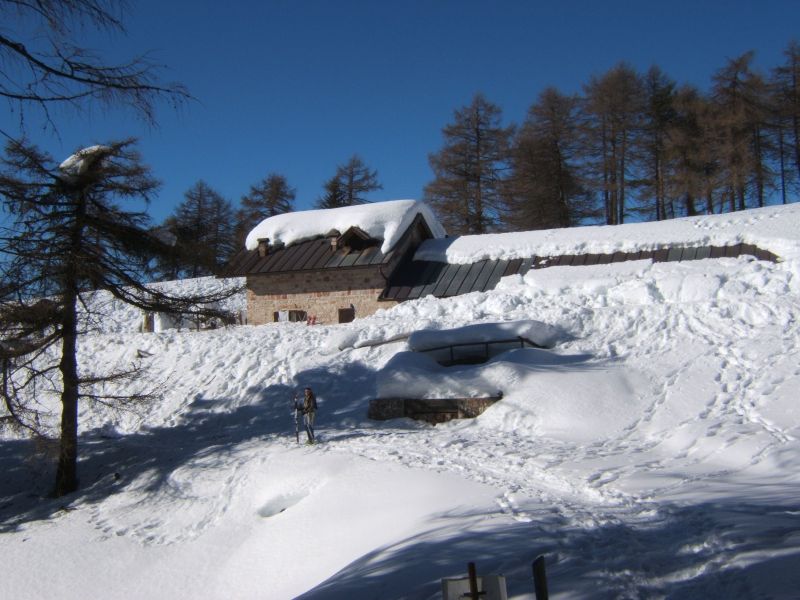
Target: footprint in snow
x=281, y=503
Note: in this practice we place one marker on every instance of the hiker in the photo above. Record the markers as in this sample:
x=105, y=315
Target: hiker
x=309, y=410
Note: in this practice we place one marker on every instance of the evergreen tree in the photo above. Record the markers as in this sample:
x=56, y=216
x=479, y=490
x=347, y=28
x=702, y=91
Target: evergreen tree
x=468, y=171
x=350, y=185
x=692, y=153
x=612, y=108
x=67, y=232
x=269, y=197
x=786, y=90
x=203, y=229
x=543, y=189
x=658, y=118
x=334, y=196
x=740, y=99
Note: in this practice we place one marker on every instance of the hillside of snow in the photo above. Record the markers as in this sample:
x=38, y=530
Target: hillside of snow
x=652, y=452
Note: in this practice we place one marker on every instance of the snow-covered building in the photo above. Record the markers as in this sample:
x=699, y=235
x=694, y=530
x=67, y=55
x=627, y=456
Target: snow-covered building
x=330, y=265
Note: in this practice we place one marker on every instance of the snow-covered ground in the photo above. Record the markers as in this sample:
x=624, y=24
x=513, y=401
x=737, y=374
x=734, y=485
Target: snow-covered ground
x=651, y=453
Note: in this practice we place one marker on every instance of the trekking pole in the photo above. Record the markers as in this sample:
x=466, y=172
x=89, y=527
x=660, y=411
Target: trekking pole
x=296, y=420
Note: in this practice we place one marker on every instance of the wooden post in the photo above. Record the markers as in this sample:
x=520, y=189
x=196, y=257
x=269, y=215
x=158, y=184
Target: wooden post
x=473, y=582
x=540, y=579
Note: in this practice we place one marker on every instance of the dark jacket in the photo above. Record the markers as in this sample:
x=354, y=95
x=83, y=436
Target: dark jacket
x=309, y=402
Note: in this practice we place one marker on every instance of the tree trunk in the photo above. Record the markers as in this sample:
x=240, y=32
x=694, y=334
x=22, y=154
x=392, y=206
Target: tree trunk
x=67, y=471
x=759, y=165
x=621, y=206
x=796, y=118
x=782, y=159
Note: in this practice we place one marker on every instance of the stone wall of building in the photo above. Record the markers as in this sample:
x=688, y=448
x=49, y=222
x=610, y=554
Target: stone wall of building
x=324, y=293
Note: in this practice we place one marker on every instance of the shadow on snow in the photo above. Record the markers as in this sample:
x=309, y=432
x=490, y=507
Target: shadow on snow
x=208, y=426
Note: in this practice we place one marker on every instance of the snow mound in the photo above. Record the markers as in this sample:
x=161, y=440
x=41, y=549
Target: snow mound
x=537, y=332
x=386, y=221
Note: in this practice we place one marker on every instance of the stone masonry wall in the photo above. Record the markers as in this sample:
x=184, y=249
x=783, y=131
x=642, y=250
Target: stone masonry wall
x=324, y=293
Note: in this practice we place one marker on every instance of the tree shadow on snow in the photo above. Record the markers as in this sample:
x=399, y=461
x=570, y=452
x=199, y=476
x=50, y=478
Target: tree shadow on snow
x=684, y=552
x=204, y=430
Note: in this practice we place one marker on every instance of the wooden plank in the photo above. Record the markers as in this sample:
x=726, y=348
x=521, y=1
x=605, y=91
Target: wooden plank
x=579, y=260
x=271, y=260
x=497, y=273
x=427, y=274
x=703, y=252
x=385, y=258
x=513, y=267
x=539, y=262
x=486, y=268
x=445, y=279
x=749, y=249
x=565, y=260
x=391, y=293
x=403, y=293
x=717, y=251
x=630, y=256
x=618, y=257
x=733, y=251
x=320, y=256
x=766, y=255
x=646, y=255
x=525, y=266
x=248, y=263
x=458, y=279
x=349, y=259
x=366, y=255
x=689, y=254
x=591, y=259
x=302, y=259
x=289, y=256
x=660, y=255
x=337, y=258
x=436, y=277
x=468, y=285
x=604, y=259
x=674, y=254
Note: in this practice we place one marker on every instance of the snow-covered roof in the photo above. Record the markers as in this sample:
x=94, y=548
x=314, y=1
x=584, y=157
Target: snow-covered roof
x=385, y=221
x=774, y=228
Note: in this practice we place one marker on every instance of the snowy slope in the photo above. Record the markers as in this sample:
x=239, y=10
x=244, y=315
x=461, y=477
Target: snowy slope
x=652, y=453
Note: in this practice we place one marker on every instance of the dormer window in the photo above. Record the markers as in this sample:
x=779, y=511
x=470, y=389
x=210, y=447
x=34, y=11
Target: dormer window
x=357, y=239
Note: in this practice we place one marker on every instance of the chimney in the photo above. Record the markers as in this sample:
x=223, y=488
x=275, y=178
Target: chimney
x=263, y=247
x=333, y=237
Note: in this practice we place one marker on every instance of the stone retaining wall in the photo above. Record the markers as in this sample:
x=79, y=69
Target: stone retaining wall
x=429, y=409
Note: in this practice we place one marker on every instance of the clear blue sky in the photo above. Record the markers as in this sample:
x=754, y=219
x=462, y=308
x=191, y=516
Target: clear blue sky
x=298, y=86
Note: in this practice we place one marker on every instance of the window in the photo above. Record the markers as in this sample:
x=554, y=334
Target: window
x=292, y=316
x=346, y=315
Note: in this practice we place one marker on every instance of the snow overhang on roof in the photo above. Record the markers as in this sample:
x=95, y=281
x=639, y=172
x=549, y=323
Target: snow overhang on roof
x=385, y=221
